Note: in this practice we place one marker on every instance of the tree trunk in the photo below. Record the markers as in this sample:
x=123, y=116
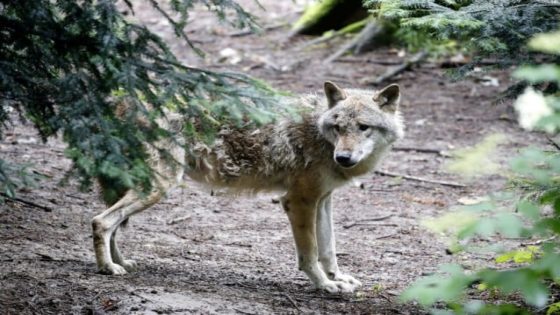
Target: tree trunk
x=329, y=15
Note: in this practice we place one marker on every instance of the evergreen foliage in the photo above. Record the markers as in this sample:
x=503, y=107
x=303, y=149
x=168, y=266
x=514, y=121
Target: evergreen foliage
x=65, y=65
x=498, y=28
x=529, y=210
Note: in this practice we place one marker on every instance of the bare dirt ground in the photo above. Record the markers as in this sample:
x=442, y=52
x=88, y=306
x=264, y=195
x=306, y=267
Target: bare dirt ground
x=235, y=255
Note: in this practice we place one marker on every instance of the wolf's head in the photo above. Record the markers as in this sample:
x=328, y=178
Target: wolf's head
x=361, y=124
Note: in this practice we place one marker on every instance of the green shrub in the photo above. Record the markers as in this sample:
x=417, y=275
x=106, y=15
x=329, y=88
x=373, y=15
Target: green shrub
x=530, y=209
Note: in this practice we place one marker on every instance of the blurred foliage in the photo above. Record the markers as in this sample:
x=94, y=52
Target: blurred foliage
x=498, y=29
x=477, y=160
x=530, y=210
x=65, y=65
x=14, y=177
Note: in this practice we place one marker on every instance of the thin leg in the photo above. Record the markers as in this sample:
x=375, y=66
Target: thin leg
x=327, y=245
x=128, y=264
x=302, y=213
x=105, y=224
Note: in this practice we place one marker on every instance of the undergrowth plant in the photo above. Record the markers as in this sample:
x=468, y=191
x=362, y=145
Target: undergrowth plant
x=529, y=210
x=65, y=65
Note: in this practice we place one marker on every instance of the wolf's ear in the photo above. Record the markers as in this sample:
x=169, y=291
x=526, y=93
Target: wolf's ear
x=388, y=98
x=334, y=93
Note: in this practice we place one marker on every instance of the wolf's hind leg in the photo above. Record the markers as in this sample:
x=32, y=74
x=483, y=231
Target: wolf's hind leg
x=128, y=264
x=326, y=244
x=105, y=224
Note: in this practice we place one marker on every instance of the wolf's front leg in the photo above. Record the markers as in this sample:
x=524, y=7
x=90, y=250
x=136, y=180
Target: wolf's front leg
x=302, y=213
x=326, y=244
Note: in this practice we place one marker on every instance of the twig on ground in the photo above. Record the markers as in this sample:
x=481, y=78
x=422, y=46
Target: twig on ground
x=319, y=40
x=554, y=143
x=539, y=242
x=244, y=312
x=264, y=28
x=42, y=173
x=75, y=197
x=385, y=236
x=332, y=35
x=385, y=217
x=25, y=202
x=362, y=60
x=353, y=224
x=238, y=245
x=95, y=297
x=294, y=304
x=357, y=222
x=367, y=35
x=423, y=150
x=45, y=257
x=391, y=72
x=420, y=179
x=179, y=219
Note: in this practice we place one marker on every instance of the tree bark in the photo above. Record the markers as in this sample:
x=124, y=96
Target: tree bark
x=329, y=15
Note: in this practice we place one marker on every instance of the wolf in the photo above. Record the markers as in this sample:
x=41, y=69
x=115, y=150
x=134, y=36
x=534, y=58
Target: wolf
x=306, y=158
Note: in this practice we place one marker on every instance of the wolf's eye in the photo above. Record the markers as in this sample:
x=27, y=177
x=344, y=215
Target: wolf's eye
x=363, y=127
x=336, y=128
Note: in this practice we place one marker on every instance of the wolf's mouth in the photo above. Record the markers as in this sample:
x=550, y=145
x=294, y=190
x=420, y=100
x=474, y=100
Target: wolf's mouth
x=347, y=165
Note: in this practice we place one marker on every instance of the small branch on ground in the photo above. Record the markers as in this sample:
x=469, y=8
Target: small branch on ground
x=25, y=202
x=332, y=35
x=366, y=37
x=391, y=72
x=363, y=221
x=292, y=301
x=368, y=60
x=42, y=173
x=423, y=150
x=179, y=219
x=553, y=143
x=539, y=242
x=264, y=28
x=369, y=224
x=385, y=236
x=239, y=245
x=385, y=217
x=419, y=179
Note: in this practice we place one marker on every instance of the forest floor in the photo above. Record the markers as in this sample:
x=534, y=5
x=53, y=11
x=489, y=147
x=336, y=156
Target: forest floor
x=236, y=255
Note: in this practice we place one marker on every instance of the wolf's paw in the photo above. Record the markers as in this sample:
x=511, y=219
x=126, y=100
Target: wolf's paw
x=112, y=269
x=348, y=279
x=129, y=265
x=336, y=287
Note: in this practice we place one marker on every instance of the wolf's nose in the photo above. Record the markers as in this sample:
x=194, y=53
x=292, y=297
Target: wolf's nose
x=344, y=158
